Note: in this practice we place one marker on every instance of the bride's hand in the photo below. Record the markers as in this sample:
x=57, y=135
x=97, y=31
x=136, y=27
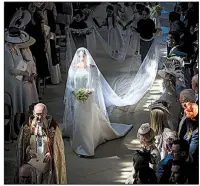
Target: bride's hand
x=89, y=91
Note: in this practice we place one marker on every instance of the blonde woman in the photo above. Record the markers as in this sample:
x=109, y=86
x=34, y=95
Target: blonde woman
x=146, y=137
x=159, y=123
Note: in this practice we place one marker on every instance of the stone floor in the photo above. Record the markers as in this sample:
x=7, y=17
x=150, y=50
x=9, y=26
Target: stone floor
x=113, y=160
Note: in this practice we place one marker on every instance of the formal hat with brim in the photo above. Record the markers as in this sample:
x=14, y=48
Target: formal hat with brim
x=20, y=19
x=178, y=60
x=159, y=105
x=27, y=44
x=16, y=36
x=176, y=73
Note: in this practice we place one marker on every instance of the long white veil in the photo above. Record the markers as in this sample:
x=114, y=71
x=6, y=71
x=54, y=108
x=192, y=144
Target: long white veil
x=106, y=97
x=93, y=82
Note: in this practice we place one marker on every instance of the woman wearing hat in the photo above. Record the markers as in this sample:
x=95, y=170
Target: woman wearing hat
x=15, y=71
x=159, y=123
x=173, y=83
x=146, y=137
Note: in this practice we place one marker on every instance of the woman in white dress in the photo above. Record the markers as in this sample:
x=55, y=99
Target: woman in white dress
x=87, y=123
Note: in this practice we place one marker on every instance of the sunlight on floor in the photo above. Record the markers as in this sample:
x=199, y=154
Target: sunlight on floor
x=154, y=93
x=125, y=172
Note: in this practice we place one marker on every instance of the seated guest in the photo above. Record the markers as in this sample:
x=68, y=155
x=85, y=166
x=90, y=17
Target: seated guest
x=159, y=123
x=187, y=95
x=145, y=175
x=40, y=145
x=146, y=137
x=180, y=151
x=177, y=173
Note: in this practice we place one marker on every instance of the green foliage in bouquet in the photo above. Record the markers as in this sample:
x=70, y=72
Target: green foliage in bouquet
x=81, y=94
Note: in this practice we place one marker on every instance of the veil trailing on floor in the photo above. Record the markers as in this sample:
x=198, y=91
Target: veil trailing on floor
x=133, y=90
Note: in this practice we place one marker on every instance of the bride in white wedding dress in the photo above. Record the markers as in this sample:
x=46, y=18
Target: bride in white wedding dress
x=87, y=123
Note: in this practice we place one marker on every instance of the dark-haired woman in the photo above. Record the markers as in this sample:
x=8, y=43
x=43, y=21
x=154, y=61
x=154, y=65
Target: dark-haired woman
x=146, y=28
x=76, y=26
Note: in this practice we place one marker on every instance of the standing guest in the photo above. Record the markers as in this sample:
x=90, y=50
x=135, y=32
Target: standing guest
x=36, y=29
x=171, y=85
x=20, y=19
x=173, y=42
x=174, y=17
x=191, y=15
x=29, y=82
x=146, y=29
x=42, y=28
x=159, y=123
x=180, y=151
x=50, y=15
x=15, y=73
x=185, y=44
x=40, y=140
x=177, y=173
x=192, y=136
x=146, y=137
x=187, y=95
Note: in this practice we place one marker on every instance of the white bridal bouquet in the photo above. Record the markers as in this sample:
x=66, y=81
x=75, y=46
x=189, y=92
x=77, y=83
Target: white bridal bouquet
x=82, y=94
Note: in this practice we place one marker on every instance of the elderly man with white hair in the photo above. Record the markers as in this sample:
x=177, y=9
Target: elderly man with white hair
x=41, y=147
